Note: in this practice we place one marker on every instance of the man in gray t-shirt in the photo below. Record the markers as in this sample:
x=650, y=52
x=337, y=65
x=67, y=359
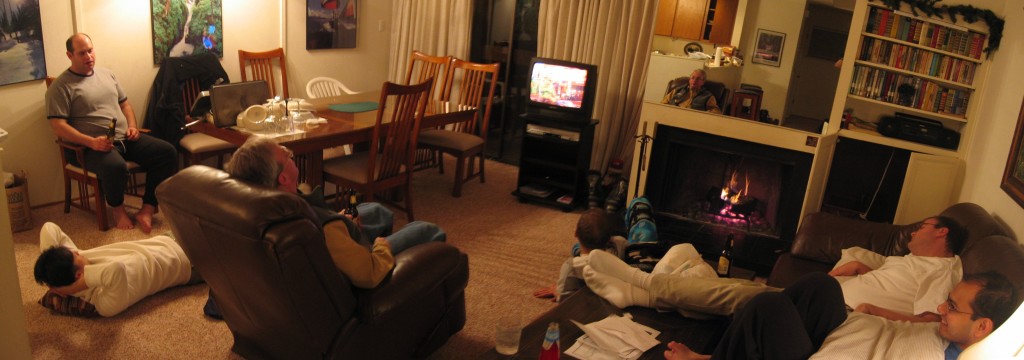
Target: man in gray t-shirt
x=81, y=105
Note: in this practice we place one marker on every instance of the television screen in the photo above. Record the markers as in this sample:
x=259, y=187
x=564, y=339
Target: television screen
x=558, y=85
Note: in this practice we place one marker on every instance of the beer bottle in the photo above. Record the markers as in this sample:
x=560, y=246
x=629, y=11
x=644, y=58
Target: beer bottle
x=351, y=209
x=725, y=260
x=112, y=130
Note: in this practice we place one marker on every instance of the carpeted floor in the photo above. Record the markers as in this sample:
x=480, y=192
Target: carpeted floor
x=513, y=249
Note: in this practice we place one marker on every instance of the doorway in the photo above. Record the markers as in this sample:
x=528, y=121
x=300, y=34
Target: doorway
x=505, y=31
x=812, y=88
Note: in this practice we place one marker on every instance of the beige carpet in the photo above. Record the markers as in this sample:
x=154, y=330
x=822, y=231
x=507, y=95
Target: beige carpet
x=513, y=249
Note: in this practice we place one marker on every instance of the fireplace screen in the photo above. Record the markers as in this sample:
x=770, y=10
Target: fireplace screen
x=704, y=188
x=725, y=188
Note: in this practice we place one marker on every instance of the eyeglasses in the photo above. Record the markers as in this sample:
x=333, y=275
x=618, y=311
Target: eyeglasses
x=951, y=306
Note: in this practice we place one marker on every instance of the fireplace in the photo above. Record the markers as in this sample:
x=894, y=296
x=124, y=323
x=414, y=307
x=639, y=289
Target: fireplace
x=705, y=188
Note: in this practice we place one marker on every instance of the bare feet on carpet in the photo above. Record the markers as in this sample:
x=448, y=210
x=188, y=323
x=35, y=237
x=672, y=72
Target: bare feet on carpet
x=124, y=222
x=679, y=351
x=145, y=217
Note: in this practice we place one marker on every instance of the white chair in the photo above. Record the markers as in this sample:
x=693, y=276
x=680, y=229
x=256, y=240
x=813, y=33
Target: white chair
x=319, y=87
x=323, y=86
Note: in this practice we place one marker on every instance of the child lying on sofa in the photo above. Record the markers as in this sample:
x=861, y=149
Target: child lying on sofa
x=897, y=287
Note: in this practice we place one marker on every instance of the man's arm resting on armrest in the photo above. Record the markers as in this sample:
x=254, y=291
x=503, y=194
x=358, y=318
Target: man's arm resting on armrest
x=892, y=315
x=63, y=130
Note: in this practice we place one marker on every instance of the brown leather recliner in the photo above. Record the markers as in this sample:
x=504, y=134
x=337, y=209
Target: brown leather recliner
x=823, y=236
x=264, y=258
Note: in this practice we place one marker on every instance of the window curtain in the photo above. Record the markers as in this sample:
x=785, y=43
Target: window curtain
x=616, y=36
x=434, y=27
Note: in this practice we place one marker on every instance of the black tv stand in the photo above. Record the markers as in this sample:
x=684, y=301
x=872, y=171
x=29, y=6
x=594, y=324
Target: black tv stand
x=554, y=161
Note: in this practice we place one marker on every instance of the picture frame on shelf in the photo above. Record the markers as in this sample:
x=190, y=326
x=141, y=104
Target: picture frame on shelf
x=769, y=47
x=1013, y=176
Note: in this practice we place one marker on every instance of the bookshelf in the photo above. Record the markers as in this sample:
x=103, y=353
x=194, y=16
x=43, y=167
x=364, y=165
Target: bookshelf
x=917, y=65
x=932, y=70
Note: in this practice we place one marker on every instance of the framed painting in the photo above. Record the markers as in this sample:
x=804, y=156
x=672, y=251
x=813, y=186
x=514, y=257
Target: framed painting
x=186, y=27
x=768, y=50
x=331, y=24
x=1013, y=176
x=21, y=42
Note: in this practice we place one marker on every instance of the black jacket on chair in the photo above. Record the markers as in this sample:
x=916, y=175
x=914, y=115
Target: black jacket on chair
x=165, y=114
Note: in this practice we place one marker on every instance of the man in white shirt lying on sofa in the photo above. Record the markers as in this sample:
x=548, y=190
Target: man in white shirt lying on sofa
x=896, y=287
x=809, y=319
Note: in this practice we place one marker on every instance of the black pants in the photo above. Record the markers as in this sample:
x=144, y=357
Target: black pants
x=158, y=157
x=791, y=324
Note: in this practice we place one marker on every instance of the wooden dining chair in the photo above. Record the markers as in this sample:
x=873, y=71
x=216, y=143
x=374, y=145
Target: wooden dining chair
x=261, y=66
x=423, y=67
x=196, y=147
x=468, y=84
x=388, y=163
x=89, y=189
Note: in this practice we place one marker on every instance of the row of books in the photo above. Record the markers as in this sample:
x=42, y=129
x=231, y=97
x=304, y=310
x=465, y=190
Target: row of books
x=885, y=22
x=917, y=60
x=906, y=90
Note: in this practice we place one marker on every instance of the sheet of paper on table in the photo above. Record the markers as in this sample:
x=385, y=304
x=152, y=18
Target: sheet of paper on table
x=614, y=337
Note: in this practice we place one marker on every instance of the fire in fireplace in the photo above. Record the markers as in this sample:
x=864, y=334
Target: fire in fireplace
x=705, y=187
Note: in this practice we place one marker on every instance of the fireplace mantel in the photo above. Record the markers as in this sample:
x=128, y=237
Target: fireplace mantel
x=653, y=114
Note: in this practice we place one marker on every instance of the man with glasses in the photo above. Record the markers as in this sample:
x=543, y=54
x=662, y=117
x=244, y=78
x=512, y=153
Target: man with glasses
x=906, y=287
x=882, y=286
x=809, y=320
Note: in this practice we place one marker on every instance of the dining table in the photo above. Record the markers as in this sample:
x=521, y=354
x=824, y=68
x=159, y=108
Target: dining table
x=335, y=128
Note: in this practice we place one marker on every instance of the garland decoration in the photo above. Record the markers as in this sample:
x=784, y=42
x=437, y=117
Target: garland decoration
x=970, y=13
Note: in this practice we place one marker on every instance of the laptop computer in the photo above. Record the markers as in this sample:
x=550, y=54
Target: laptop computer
x=228, y=100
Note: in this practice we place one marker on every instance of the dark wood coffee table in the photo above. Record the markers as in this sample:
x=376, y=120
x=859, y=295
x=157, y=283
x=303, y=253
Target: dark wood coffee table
x=586, y=307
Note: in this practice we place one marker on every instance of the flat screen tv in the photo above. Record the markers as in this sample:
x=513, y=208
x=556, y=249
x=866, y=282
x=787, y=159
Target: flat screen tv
x=562, y=90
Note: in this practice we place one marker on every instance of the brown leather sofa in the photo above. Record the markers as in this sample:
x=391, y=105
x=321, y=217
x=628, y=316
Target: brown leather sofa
x=822, y=236
x=264, y=258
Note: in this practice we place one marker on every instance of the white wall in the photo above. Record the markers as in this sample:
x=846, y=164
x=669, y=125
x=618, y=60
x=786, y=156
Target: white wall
x=778, y=16
x=993, y=134
x=362, y=68
x=122, y=35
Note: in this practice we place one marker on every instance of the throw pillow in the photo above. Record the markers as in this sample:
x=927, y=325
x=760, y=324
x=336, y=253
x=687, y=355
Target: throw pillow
x=67, y=305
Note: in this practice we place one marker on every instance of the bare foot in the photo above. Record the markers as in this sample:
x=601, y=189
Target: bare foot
x=679, y=351
x=124, y=222
x=145, y=218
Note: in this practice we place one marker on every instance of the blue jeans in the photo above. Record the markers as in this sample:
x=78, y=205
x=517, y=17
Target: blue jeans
x=377, y=221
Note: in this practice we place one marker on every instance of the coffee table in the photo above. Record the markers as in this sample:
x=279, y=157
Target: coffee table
x=585, y=307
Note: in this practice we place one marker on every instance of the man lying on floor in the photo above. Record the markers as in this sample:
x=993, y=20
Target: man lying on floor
x=111, y=277
x=896, y=287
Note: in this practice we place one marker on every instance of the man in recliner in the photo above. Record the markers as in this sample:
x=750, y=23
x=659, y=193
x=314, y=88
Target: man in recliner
x=264, y=162
x=693, y=95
